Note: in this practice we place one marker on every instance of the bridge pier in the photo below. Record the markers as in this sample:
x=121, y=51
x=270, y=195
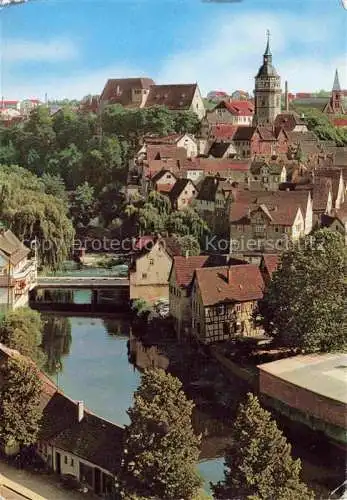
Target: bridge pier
x=95, y=299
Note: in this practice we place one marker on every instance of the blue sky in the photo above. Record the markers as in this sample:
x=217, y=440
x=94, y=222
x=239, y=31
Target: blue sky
x=68, y=48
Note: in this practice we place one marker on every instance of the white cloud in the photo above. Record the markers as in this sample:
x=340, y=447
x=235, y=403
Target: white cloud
x=228, y=55
x=225, y=54
x=70, y=86
x=50, y=51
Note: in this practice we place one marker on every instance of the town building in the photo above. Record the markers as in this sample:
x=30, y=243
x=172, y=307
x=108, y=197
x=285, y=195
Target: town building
x=264, y=221
x=150, y=267
x=267, y=175
x=260, y=140
x=310, y=389
x=18, y=272
x=336, y=221
x=231, y=112
x=267, y=93
x=27, y=105
x=163, y=181
x=182, y=194
x=185, y=141
x=268, y=265
x=129, y=92
x=180, y=286
x=73, y=440
x=291, y=122
x=177, y=97
x=224, y=302
x=335, y=106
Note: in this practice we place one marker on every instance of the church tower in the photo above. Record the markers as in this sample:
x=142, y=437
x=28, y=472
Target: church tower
x=267, y=93
x=335, y=105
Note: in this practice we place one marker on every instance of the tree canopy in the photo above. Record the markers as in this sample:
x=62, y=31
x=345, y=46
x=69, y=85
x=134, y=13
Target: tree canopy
x=21, y=329
x=320, y=124
x=32, y=214
x=161, y=449
x=304, y=305
x=258, y=463
x=20, y=412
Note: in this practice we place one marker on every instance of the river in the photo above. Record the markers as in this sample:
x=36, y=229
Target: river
x=88, y=359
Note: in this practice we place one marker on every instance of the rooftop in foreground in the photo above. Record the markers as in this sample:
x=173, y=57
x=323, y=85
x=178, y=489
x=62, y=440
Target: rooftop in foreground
x=323, y=374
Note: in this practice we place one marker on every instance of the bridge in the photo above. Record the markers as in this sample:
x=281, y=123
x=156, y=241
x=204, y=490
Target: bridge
x=77, y=283
x=57, y=293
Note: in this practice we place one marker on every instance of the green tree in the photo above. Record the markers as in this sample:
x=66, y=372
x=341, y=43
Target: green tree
x=21, y=329
x=186, y=122
x=189, y=245
x=258, y=463
x=160, y=202
x=161, y=449
x=54, y=185
x=304, y=304
x=32, y=214
x=83, y=205
x=20, y=412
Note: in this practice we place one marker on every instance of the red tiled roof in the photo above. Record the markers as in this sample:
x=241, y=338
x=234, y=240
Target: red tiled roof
x=271, y=262
x=143, y=241
x=164, y=188
x=184, y=268
x=239, y=283
x=223, y=165
x=119, y=90
x=167, y=139
x=303, y=95
x=223, y=131
x=240, y=108
x=9, y=102
x=340, y=122
x=172, y=96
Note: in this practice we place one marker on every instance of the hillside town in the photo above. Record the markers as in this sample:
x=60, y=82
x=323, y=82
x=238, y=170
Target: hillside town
x=200, y=240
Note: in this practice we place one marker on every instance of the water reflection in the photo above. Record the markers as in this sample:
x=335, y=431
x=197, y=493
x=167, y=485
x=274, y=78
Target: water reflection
x=56, y=342
x=116, y=327
x=144, y=357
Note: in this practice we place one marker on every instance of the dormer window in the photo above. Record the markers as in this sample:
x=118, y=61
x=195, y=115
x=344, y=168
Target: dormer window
x=183, y=96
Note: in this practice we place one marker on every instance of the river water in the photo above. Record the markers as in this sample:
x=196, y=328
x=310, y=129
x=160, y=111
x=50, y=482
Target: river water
x=87, y=356
x=88, y=359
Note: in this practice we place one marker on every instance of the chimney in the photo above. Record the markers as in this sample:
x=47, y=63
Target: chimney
x=286, y=97
x=80, y=408
x=229, y=274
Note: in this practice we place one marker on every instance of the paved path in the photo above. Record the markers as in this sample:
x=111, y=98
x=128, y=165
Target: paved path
x=47, y=486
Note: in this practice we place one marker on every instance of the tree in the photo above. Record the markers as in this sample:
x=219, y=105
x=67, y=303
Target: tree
x=21, y=329
x=20, y=412
x=304, y=305
x=54, y=185
x=258, y=463
x=189, y=245
x=32, y=214
x=82, y=207
x=186, y=122
x=161, y=449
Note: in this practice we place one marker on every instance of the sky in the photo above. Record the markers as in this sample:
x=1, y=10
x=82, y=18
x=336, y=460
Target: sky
x=69, y=48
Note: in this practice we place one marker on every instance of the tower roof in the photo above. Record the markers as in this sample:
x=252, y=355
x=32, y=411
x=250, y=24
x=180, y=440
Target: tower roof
x=336, y=85
x=267, y=49
x=267, y=68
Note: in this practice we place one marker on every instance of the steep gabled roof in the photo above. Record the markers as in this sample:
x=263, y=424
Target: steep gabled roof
x=12, y=247
x=208, y=189
x=244, y=133
x=173, y=96
x=240, y=283
x=178, y=189
x=119, y=90
x=156, y=177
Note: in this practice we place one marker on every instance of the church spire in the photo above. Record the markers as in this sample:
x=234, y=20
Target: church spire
x=336, y=85
x=267, y=53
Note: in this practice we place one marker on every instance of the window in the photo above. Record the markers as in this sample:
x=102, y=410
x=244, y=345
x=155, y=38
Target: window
x=221, y=309
x=71, y=462
x=259, y=228
x=144, y=276
x=151, y=261
x=238, y=307
x=65, y=459
x=276, y=229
